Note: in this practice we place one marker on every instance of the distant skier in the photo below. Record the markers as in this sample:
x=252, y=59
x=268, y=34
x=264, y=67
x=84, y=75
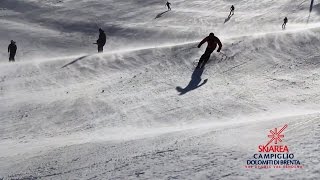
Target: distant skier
x=168, y=5
x=12, y=49
x=285, y=20
x=212, y=44
x=231, y=11
x=101, y=41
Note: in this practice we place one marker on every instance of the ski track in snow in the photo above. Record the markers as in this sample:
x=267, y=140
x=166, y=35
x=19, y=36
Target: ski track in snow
x=67, y=113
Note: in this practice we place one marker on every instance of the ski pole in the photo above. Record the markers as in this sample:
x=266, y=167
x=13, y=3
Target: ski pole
x=222, y=53
x=223, y=56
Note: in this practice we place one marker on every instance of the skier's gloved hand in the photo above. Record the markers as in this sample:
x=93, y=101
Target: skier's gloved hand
x=199, y=46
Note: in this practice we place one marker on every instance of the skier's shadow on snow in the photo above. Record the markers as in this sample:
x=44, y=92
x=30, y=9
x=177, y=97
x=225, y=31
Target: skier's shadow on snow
x=160, y=14
x=194, y=82
x=228, y=18
x=78, y=59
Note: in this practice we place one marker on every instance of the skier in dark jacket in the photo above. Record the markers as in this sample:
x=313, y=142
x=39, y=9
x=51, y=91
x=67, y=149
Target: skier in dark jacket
x=285, y=20
x=168, y=5
x=231, y=11
x=101, y=41
x=12, y=49
x=212, y=41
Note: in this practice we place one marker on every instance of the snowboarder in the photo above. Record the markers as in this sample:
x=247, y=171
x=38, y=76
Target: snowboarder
x=168, y=5
x=212, y=44
x=101, y=41
x=231, y=11
x=285, y=20
x=12, y=49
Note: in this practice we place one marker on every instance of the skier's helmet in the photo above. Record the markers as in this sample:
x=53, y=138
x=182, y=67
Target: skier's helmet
x=211, y=35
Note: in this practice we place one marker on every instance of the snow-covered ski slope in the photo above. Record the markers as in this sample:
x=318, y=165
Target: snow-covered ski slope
x=69, y=113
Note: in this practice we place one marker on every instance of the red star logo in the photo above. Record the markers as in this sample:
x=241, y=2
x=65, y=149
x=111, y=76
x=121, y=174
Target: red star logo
x=276, y=136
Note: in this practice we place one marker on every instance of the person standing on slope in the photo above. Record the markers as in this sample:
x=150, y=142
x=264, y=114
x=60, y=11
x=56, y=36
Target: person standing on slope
x=231, y=11
x=12, y=49
x=285, y=20
x=212, y=41
x=101, y=41
x=168, y=5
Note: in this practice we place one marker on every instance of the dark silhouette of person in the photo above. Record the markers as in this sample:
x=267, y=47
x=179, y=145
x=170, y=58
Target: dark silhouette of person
x=101, y=41
x=212, y=41
x=231, y=11
x=285, y=20
x=168, y=5
x=12, y=50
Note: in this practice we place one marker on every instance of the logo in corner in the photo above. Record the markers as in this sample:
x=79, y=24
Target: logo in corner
x=274, y=154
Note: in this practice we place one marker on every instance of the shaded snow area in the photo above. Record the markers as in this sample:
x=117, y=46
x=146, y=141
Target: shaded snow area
x=140, y=110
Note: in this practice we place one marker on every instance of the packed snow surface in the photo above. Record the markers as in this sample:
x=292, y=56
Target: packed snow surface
x=67, y=112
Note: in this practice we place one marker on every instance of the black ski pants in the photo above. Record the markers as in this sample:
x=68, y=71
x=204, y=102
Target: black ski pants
x=205, y=57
